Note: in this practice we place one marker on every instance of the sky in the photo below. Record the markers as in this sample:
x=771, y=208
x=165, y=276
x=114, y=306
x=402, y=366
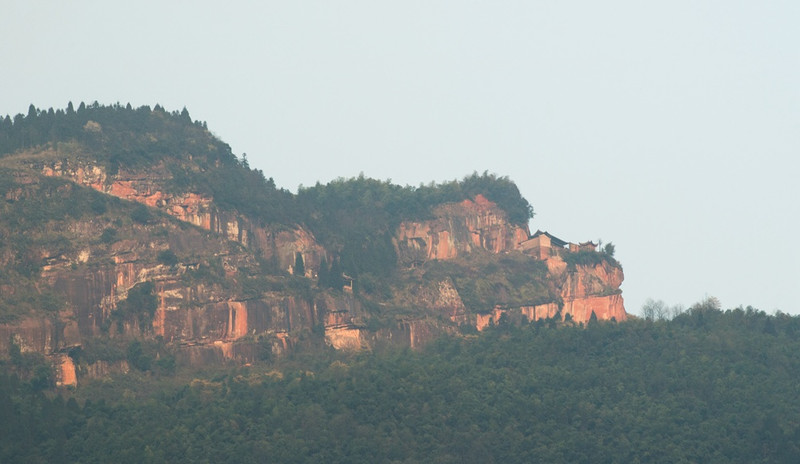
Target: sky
x=671, y=129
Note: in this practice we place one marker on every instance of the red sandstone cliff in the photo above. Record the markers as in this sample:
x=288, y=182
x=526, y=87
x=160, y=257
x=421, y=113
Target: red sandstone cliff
x=207, y=321
x=457, y=229
x=151, y=187
x=464, y=227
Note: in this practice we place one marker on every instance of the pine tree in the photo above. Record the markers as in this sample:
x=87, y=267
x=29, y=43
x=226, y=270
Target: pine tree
x=323, y=278
x=335, y=279
x=299, y=266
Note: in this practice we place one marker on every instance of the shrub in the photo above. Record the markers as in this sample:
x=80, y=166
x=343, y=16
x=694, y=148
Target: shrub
x=141, y=214
x=167, y=257
x=109, y=235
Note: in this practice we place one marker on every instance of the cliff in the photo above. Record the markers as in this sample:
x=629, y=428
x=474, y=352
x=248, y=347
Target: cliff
x=204, y=308
x=459, y=228
x=470, y=226
x=153, y=187
x=117, y=237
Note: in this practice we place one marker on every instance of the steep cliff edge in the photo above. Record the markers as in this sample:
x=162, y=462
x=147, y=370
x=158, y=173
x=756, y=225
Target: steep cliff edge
x=79, y=265
x=566, y=290
x=591, y=288
x=124, y=246
x=154, y=187
x=458, y=228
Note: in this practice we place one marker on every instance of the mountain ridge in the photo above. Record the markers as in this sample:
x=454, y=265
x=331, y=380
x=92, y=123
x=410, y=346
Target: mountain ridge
x=239, y=269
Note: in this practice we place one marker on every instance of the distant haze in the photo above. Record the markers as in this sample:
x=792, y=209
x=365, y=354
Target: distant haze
x=671, y=129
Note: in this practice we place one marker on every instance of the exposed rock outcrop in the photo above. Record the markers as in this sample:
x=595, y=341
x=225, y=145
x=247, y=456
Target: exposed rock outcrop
x=593, y=289
x=209, y=322
x=464, y=227
x=458, y=228
x=150, y=187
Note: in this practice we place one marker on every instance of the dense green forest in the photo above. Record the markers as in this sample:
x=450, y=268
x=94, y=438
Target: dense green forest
x=707, y=386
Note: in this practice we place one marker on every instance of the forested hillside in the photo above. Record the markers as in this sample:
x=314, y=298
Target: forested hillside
x=708, y=386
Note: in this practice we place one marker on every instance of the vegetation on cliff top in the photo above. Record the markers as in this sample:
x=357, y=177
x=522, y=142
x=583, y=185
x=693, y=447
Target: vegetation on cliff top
x=121, y=136
x=354, y=218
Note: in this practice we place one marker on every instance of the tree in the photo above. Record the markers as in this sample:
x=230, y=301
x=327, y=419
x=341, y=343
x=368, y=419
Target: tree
x=136, y=356
x=657, y=310
x=141, y=214
x=299, y=266
x=323, y=277
x=653, y=310
x=167, y=257
x=335, y=279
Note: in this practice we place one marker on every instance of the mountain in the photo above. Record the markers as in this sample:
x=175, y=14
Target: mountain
x=135, y=239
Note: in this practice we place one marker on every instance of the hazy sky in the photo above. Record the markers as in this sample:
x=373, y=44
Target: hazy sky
x=670, y=128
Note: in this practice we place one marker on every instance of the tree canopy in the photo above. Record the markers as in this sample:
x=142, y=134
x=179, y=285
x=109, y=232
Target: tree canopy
x=708, y=386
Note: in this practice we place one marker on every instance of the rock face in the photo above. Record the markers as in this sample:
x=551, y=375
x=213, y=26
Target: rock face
x=150, y=187
x=458, y=228
x=464, y=227
x=590, y=289
x=216, y=320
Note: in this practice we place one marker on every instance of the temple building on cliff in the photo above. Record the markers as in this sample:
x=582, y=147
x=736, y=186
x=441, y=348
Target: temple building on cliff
x=543, y=245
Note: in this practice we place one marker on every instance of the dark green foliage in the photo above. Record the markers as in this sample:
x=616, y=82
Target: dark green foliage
x=301, y=287
x=323, y=276
x=167, y=257
x=299, y=266
x=330, y=276
x=502, y=191
x=630, y=392
x=100, y=348
x=140, y=306
x=136, y=356
x=235, y=186
x=98, y=205
x=141, y=214
x=43, y=200
x=29, y=367
x=589, y=258
x=109, y=235
x=120, y=136
x=357, y=217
